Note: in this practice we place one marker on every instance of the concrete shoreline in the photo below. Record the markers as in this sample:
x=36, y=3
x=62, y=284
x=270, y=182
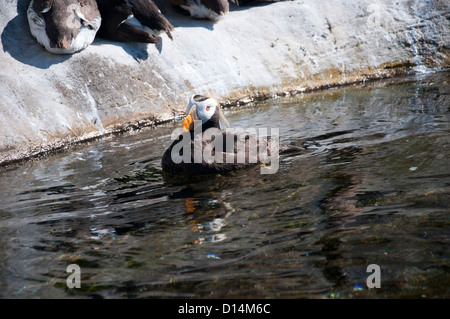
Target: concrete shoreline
x=49, y=102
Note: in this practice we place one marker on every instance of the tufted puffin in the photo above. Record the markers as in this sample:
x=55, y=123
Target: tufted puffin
x=208, y=146
x=64, y=26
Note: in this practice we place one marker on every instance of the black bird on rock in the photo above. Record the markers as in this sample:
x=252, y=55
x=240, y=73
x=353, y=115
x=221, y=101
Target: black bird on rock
x=132, y=21
x=202, y=9
x=64, y=26
x=248, y=2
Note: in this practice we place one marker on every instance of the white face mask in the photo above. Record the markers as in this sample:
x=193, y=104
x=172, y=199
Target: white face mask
x=204, y=108
x=206, y=111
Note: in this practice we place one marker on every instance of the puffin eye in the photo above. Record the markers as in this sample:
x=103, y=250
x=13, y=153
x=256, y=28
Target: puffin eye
x=208, y=107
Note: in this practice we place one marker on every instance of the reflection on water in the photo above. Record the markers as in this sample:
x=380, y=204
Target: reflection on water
x=371, y=187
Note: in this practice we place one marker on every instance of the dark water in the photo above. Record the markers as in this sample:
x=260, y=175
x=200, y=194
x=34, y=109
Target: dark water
x=372, y=186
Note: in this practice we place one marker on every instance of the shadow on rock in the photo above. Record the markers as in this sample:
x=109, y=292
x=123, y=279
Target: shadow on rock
x=185, y=21
x=138, y=51
x=22, y=46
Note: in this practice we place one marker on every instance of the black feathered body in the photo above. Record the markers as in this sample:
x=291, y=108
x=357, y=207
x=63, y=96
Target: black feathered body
x=118, y=23
x=244, y=152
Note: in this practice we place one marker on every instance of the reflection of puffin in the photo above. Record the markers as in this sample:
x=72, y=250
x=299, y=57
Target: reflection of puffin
x=207, y=112
x=202, y=9
x=64, y=26
x=132, y=21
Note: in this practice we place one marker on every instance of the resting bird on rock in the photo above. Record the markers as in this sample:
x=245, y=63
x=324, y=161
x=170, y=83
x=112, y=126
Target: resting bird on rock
x=202, y=9
x=208, y=146
x=64, y=26
x=132, y=21
x=248, y=2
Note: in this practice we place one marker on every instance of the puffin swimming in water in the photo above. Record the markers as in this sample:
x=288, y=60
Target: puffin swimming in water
x=199, y=151
x=202, y=9
x=64, y=26
x=132, y=21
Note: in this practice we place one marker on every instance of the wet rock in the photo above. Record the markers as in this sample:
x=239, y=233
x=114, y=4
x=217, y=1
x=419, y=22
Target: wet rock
x=255, y=52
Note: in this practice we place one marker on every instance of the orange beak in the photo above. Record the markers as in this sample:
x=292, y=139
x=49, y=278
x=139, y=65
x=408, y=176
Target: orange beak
x=188, y=124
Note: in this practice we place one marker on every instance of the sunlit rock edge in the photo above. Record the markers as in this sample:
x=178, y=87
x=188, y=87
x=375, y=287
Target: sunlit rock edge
x=256, y=52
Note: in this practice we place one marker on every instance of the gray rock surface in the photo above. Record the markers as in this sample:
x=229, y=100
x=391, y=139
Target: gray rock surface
x=48, y=101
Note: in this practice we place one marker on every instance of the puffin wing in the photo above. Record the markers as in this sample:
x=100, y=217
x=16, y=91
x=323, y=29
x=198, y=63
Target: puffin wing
x=218, y=6
x=117, y=25
x=249, y=2
x=129, y=33
x=149, y=15
x=42, y=6
x=202, y=9
x=239, y=150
